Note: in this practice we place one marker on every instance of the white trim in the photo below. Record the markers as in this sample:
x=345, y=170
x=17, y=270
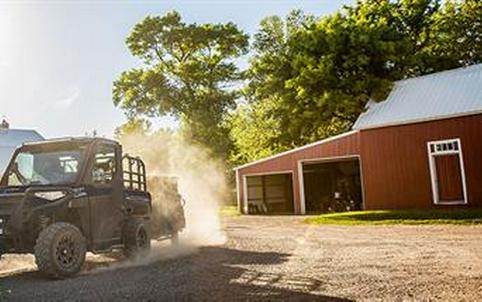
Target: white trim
x=237, y=192
x=433, y=171
x=245, y=195
x=326, y=140
x=245, y=185
x=419, y=120
x=301, y=183
x=325, y=160
x=362, y=183
x=462, y=171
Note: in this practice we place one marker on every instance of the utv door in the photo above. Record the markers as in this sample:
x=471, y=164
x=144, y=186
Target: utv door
x=105, y=194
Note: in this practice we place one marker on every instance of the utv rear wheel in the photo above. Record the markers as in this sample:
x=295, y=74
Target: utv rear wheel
x=137, y=238
x=60, y=250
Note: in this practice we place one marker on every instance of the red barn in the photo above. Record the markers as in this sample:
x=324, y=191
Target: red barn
x=420, y=148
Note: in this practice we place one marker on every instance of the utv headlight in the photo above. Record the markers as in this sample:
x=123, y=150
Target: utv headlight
x=52, y=195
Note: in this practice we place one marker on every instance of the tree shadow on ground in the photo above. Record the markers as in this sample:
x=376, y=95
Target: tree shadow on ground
x=211, y=273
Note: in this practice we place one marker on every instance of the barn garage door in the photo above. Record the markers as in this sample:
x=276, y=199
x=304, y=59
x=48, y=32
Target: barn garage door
x=446, y=169
x=270, y=194
x=333, y=185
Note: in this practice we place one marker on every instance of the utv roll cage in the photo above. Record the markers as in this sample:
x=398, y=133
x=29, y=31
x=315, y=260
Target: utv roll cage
x=134, y=174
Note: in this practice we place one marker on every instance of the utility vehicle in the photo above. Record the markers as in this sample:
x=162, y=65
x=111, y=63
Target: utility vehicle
x=61, y=198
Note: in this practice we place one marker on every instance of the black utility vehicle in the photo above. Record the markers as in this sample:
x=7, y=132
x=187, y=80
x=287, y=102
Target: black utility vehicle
x=61, y=198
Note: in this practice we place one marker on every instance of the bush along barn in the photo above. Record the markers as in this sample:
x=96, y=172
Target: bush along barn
x=419, y=148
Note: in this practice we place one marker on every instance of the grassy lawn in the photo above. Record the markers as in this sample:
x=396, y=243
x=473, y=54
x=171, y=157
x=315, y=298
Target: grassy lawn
x=472, y=216
x=229, y=211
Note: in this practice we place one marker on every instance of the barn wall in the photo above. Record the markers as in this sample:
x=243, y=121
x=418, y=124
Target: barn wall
x=396, y=163
x=344, y=145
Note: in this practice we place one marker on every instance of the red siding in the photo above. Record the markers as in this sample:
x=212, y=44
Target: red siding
x=348, y=145
x=396, y=167
x=394, y=162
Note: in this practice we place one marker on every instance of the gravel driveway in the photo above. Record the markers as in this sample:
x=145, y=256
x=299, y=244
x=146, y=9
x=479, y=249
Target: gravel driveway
x=279, y=258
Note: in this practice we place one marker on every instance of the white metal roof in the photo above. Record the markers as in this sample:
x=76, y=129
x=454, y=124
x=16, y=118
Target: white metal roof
x=10, y=139
x=440, y=95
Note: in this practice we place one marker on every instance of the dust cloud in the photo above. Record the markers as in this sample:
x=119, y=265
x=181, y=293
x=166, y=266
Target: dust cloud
x=201, y=181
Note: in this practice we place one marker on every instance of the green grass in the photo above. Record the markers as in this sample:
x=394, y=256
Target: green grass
x=229, y=211
x=455, y=216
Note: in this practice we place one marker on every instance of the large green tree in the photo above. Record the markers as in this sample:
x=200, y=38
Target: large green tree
x=187, y=71
x=260, y=127
x=134, y=126
x=456, y=35
x=254, y=131
x=320, y=73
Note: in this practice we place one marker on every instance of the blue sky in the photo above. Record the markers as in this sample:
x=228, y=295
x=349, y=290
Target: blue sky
x=58, y=59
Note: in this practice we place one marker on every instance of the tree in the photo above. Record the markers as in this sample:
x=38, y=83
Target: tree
x=254, y=132
x=456, y=35
x=270, y=68
x=321, y=73
x=188, y=71
x=133, y=126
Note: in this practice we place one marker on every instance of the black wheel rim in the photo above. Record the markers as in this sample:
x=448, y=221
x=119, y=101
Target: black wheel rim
x=141, y=239
x=66, y=252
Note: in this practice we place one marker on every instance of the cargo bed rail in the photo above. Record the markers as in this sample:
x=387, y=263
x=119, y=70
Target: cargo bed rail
x=134, y=173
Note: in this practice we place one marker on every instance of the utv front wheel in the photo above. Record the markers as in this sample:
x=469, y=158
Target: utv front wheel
x=137, y=238
x=60, y=250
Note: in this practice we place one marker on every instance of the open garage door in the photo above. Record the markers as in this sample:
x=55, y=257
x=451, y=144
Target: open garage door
x=332, y=186
x=270, y=194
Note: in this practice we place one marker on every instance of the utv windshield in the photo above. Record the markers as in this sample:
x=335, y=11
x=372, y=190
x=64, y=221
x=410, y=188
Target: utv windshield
x=44, y=167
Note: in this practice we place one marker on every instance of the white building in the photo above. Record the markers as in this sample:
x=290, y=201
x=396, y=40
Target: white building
x=10, y=139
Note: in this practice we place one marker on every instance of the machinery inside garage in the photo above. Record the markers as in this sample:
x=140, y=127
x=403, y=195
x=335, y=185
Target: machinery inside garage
x=332, y=186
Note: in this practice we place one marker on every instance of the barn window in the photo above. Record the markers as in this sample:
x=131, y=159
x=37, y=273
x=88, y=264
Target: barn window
x=447, y=172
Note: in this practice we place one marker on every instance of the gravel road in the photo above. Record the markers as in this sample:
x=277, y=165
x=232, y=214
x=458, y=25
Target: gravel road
x=269, y=258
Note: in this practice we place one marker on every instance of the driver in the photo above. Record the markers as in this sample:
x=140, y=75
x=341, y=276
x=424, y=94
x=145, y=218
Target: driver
x=52, y=170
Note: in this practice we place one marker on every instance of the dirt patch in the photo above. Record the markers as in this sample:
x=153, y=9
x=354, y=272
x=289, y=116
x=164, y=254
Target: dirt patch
x=282, y=258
